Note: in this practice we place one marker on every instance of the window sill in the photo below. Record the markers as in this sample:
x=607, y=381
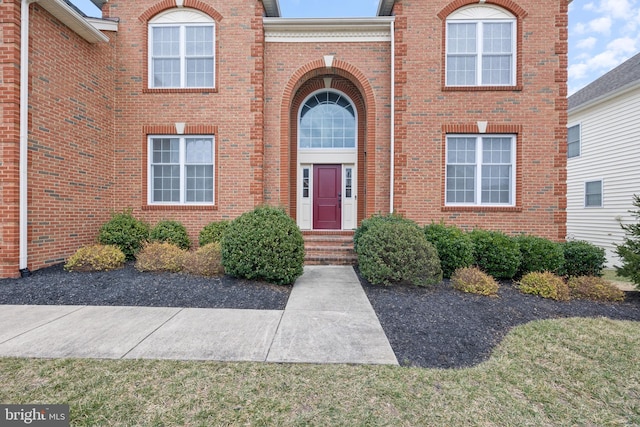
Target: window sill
x=481, y=88
x=203, y=90
x=147, y=207
x=481, y=209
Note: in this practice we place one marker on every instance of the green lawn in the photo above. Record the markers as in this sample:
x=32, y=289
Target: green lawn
x=547, y=373
x=610, y=274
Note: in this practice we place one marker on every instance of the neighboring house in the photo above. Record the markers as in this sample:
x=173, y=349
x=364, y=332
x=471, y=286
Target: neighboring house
x=603, y=163
x=200, y=110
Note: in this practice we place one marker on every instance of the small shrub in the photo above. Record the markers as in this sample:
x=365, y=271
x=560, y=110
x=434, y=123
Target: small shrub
x=544, y=284
x=539, y=254
x=171, y=232
x=212, y=232
x=372, y=221
x=594, y=288
x=472, y=280
x=206, y=261
x=264, y=244
x=398, y=252
x=96, y=258
x=454, y=246
x=582, y=259
x=160, y=256
x=496, y=253
x=124, y=231
x=629, y=250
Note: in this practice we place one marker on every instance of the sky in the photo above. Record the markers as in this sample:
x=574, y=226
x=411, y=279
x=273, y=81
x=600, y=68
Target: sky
x=602, y=33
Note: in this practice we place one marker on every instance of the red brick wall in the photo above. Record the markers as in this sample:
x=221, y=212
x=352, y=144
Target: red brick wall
x=536, y=110
x=9, y=136
x=234, y=110
x=70, y=140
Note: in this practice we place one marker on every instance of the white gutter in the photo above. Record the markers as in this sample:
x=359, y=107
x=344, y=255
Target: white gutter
x=24, y=132
x=393, y=119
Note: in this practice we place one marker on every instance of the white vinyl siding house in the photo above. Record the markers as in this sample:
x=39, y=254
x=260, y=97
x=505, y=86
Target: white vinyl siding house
x=609, y=154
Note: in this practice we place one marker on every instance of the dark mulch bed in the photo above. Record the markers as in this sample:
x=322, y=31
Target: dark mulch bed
x=440, y=327
x=129, y=287
x=435, y=327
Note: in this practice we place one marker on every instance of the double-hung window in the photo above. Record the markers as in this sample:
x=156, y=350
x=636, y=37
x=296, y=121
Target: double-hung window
x=181, y=169
x=573, y=141
x=480, y=47
x=182, y=50
x=480, y=170
x=593, y=194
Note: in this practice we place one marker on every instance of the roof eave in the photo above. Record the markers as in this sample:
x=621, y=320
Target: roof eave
x=72, y=19
x=606, y=97
x=385, y=7
x=271, y=8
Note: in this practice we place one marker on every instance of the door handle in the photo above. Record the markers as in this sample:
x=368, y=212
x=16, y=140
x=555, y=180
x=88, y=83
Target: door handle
x=340, y=200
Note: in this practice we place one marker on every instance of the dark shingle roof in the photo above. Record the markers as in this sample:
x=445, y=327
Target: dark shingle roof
x=624, y=74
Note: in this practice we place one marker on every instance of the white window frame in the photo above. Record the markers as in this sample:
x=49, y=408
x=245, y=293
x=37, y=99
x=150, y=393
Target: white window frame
x=181, y=18
x=578, y=142
x=601, y=205
x=327, y=149
x=478, y=175
x=481, y=15
x=182, y=163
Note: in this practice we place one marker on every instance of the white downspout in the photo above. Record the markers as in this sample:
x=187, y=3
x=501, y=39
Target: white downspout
x=24, y=134
x=393, y=119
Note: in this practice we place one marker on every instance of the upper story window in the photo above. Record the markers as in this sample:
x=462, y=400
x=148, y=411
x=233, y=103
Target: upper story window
x=327, y=121
x=573, y=141
x=481, y=47
x=182, y=50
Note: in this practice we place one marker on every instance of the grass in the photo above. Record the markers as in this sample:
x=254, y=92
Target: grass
x=610, y=274
x=551, y=372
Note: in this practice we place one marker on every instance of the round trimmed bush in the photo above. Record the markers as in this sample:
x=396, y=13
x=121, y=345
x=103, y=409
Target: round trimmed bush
x=454, y=246
x=495, y=253
x=206, y=261
x=160, y=256
x=397, y=252
x=539, y=254
x=171, y=232
x=473, y=280
x=264, y=244
x=372, y=221
x=212, y=232
x=582, y=259
x=544, y=284
x=96, y=258
x=124, y=231
x=594, y=288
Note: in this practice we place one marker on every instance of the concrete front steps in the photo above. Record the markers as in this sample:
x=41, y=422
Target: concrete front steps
x=329, y=248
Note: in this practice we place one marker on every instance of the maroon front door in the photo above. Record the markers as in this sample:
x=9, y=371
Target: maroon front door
x=327, y=202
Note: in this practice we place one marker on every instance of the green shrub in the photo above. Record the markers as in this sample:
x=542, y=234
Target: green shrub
x=495, y=253
x=264, y=244
x=171, y=232
x=96, y=258
x=544, y=284
x=160, y=256
x=397, y=252
x=629, y=250
x=206, y=261
x=124, y=231
x=454, y=247
x=212, y=232
x=582, y=259
x=539, y=254
x=373, y=221
x=594, y=288
x=472, y=280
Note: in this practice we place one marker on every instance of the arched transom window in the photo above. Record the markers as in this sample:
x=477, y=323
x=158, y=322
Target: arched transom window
x=327, y=120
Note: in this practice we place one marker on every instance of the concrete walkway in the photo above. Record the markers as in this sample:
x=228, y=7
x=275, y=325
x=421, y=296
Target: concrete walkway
x=328, y=319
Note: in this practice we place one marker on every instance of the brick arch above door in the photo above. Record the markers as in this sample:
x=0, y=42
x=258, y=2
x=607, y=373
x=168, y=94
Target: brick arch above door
x=348, y=80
